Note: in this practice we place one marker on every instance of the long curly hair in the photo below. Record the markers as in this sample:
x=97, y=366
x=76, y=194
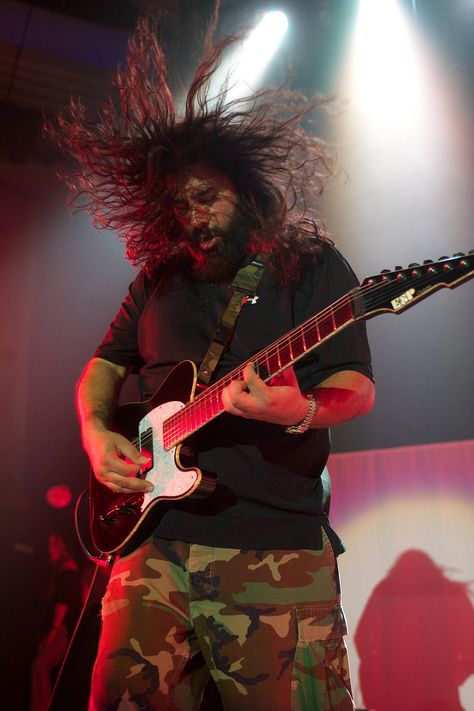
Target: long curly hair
x=140, y=139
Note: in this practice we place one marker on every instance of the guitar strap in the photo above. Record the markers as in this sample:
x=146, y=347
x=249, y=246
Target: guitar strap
x=245, y=286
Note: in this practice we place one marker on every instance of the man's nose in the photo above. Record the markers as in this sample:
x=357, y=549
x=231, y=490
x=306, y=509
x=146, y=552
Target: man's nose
x=198, y=215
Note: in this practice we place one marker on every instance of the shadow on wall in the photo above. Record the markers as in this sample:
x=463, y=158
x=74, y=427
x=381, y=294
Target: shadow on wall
x=414, y=616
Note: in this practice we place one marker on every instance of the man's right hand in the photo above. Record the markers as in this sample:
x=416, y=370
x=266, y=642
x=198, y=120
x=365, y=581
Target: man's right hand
x=115, y=461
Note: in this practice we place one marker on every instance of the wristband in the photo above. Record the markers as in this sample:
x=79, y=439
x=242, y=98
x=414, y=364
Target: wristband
x=304, y=424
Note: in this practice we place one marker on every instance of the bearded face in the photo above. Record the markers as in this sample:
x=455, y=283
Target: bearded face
x=215, y=226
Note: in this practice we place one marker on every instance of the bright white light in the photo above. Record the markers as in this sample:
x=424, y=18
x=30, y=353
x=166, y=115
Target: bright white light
x=386, y=65
x=245, y=68
x=261, y=45
x=402, y=139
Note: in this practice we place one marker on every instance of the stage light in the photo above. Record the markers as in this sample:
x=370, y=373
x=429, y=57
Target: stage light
x=262, y=43
x=401, y=138
x=59, y=496
x=244, y=69
x=386, y=65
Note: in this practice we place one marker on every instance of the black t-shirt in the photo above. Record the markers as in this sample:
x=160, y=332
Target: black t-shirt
x=273, y=489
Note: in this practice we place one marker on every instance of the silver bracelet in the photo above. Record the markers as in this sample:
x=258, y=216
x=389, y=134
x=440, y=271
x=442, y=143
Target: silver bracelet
x=305, y=423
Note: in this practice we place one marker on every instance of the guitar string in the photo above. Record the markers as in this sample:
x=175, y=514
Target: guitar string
x=263, y=361
x=173, y=428
x=195, y=407
x=387, y=286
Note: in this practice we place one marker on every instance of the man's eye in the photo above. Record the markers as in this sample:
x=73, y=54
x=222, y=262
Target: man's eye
x=207, y=198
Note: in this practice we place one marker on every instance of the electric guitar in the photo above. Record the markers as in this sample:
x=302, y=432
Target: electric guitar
x=160, y=426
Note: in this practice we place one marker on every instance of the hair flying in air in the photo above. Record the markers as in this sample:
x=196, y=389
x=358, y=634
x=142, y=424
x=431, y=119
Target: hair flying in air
x=140, y=138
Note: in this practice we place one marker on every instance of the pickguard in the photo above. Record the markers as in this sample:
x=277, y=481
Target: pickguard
x=169, y=481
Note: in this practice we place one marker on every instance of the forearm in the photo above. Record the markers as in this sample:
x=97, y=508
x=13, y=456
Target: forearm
x=97, y=393
x=115, y=461
x=341, y=398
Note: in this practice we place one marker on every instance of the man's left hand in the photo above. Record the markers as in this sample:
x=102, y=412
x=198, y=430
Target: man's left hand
x=281, y=403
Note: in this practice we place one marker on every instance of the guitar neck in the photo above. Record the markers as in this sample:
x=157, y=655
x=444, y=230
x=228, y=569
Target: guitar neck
x=391, y=292
x=268, y=362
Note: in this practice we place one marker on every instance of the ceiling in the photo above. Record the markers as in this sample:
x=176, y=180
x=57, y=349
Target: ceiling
x=52, y=49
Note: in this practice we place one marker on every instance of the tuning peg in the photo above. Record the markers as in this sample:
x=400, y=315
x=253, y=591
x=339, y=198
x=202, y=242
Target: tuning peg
x=413, y=265
x=443, y=257
x=385, y=271
x=398, y=268
x=459, y=254
x=427, y=261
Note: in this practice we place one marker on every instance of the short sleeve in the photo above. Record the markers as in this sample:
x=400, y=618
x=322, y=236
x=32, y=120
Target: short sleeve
x=120, y=344
x=347, y=350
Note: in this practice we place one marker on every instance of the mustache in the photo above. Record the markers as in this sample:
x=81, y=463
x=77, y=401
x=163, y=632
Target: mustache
x=196, y=236
x=206, y=232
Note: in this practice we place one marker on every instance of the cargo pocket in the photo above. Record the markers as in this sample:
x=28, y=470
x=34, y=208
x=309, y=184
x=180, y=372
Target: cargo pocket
x=320, y=675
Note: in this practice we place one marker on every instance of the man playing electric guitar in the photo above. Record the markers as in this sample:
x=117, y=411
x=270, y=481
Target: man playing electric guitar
x=241, y=585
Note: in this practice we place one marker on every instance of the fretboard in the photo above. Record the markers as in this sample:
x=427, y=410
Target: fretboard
x=270, y=361
x=390, y=291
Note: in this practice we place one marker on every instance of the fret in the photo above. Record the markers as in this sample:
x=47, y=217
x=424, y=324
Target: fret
x=305, y=347
x=272, y=362
x=200, y=418
x=207, y=406
x=216, y=401
x=318, y=332
x=166, y=427
x=325, y=326
x=192, y=418
x=297, y=343
x=180, y=426
x=311, y=333
x=343, y=314
x=187, y=419
x=262, y=368
x=284, y=351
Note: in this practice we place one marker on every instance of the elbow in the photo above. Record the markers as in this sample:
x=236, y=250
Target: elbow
x=367, y=398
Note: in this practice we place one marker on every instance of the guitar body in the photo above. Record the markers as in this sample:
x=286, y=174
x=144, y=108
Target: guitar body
x=120, y=521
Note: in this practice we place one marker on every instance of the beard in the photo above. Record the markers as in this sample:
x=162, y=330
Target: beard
x=220, y=263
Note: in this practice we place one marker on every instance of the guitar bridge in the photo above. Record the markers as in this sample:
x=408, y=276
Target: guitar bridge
x=128, y=508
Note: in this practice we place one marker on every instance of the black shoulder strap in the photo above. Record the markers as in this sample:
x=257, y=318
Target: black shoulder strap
x=245, y=286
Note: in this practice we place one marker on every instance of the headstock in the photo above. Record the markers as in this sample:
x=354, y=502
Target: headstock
x=398, y=289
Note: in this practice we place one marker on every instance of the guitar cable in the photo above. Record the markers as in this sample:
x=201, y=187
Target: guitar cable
x=102, y=559
x=56, y=701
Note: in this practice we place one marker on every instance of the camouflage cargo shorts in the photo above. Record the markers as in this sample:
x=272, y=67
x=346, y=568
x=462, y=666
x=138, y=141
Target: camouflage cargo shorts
x=267, y=625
